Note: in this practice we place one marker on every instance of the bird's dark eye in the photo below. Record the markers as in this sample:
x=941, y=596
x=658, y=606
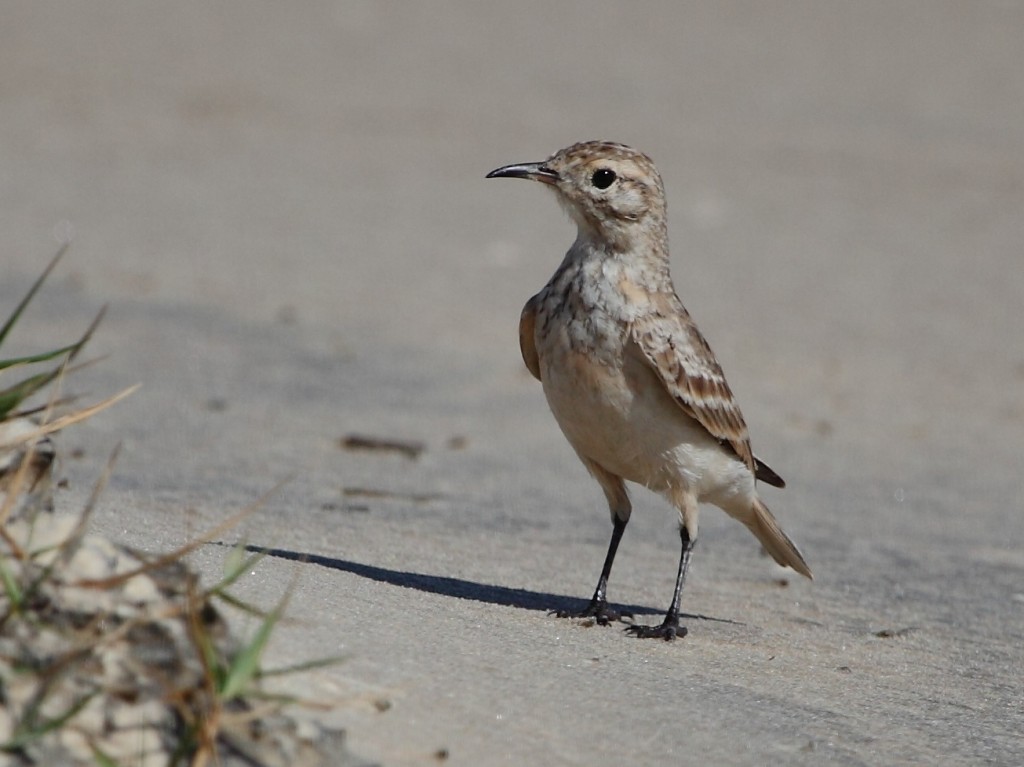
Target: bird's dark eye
x=603, y=178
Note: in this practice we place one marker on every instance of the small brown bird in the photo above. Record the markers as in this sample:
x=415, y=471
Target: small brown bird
x=631, y=381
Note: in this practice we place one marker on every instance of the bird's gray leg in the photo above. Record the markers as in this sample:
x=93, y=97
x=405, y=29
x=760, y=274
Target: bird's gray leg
x=670, y=628
x=598, y=608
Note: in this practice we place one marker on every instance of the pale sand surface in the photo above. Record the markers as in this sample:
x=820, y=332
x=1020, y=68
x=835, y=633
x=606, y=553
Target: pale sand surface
x=284, y=206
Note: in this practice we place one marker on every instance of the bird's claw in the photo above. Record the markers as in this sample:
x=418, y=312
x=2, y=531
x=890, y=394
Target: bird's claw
x=668, y=630
x=599, y=612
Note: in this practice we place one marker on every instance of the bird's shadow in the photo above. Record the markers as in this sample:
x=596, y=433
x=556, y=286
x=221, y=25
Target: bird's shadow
x=460, y=588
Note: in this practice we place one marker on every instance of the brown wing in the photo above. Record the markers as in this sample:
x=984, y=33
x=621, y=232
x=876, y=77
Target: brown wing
x=671, y=344
x=527, y=340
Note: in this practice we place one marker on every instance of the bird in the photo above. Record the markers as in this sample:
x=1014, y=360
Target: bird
x=630, y=379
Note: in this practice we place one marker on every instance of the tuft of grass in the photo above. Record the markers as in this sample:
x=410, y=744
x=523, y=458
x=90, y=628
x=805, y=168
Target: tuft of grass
x=13, y=396
x=176, y=651
x=111, y=657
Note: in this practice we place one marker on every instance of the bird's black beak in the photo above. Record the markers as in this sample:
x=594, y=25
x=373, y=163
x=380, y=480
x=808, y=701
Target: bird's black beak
x=537, y=171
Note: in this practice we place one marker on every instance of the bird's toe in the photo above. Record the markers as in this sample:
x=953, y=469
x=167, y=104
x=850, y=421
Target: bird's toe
x=668, y=631
x=597, y=612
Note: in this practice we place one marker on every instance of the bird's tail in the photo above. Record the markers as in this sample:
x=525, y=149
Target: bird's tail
x=766, y=528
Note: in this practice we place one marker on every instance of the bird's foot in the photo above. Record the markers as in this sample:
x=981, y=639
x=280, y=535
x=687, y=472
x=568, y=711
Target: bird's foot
x=598, y=611
x=668, y=630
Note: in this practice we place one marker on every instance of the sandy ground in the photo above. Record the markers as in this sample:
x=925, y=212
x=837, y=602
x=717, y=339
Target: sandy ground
x=284, y=206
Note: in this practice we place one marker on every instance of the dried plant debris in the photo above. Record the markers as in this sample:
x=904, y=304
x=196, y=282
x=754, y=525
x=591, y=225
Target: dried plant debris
x=890, y=633
x=394, y=495
x=111, y=657
x=457, y=442
x=411, y=449
x=25, y=467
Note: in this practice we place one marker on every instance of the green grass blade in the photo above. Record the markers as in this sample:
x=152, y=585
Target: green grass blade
x=236, y=566
x=239, y=604
x=25, y=735
x=102, y=759
x=204, y=643
x=31, y=293
x=245, y=665
x=11, y=587
x=77, y=347
x=12, y=397
x=33, y=358
x=309, y=665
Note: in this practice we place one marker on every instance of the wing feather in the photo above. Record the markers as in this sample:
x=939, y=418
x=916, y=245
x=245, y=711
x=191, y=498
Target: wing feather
x=527, y=339
x=672, y=345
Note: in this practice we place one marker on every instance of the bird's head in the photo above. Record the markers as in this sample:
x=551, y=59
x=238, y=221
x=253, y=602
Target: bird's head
x=613, y=192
